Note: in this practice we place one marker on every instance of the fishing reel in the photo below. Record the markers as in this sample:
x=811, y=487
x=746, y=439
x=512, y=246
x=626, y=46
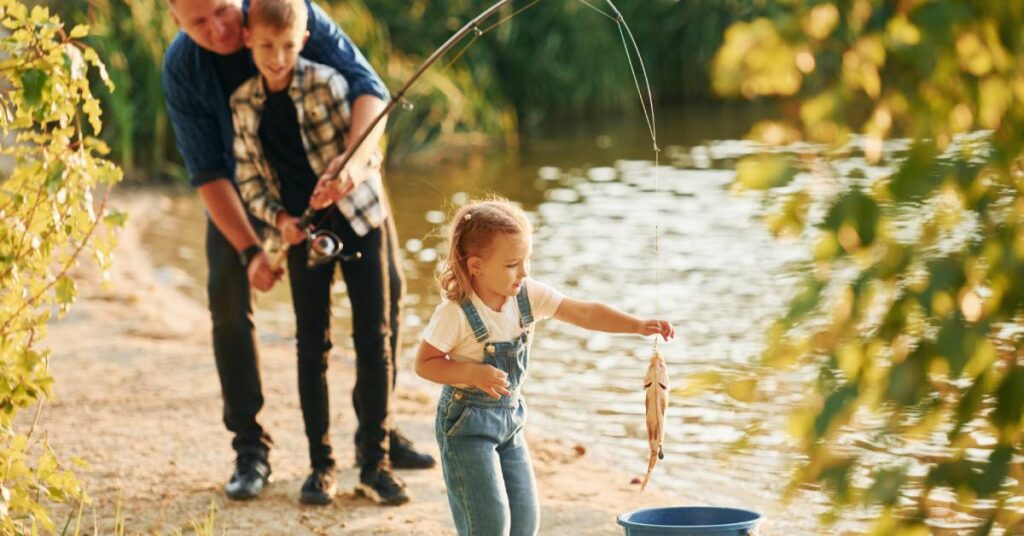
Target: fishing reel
x=324, y=246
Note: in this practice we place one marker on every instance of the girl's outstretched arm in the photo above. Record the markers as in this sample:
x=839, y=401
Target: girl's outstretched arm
x=434, y=365
x=600, y=317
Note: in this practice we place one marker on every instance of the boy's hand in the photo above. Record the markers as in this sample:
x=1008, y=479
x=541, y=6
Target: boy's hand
x=289, y=227
x=490, y=380
x=657, y=327
x=329, y=191
x=337, y=182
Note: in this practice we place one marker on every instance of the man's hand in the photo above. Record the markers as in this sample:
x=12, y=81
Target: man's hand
x=289, y=227
x=262, y=274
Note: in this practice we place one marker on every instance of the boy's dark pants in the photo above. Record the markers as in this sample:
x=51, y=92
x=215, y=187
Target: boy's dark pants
x=375, y=286
x=234, y=345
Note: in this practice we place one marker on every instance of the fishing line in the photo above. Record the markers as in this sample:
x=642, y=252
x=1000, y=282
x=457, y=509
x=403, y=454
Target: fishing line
x=480, y=33
x=624, y=31
x=646, y=105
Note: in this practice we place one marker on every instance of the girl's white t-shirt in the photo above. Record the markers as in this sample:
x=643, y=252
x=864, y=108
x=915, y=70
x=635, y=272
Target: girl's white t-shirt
x=449, y=330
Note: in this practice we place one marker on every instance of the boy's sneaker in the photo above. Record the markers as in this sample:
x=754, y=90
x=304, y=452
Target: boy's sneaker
x=319, y=488
x=380, y=484
x=252, y=473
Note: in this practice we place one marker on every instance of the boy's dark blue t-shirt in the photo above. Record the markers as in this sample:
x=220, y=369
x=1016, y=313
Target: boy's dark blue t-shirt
x=282, y=146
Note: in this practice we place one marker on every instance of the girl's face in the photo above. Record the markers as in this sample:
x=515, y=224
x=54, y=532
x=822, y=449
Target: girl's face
x=501, y=271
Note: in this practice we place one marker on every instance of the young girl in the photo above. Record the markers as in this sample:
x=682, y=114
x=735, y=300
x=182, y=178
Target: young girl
x=478, y=345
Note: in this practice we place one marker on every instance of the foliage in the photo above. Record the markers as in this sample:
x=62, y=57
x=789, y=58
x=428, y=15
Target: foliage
x=912, y=307
x=49, y=218
x=557, y=58
x=131, y=36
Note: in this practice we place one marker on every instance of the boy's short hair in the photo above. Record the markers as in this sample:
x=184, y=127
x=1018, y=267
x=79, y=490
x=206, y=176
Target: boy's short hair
x=279, y=14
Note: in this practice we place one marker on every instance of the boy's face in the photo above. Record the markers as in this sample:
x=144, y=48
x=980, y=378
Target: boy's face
x=274, y=51
x=501, y=270
x=215, y=25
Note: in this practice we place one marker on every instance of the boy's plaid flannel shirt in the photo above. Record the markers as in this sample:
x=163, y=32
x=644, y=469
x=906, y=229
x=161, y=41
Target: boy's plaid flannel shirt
x=319, y=94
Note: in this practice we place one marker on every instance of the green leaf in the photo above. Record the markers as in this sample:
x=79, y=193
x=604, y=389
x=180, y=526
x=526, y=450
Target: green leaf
x=886, y=486
x=991, y=478
x=854, y=218
x=1010, y=401
x=53, y=179
x=32, y=82
x=65, y=289
x=837, y=403
x=115, y=218
x=908, y=378
x=918, y=175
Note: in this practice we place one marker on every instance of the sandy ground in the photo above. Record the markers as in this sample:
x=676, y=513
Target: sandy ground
x=138, y=397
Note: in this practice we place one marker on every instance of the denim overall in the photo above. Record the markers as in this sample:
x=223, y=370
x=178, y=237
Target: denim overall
x=484, y=457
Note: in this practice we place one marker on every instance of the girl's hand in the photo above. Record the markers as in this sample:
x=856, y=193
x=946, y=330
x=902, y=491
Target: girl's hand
x=290, y=230
x=490, y=380
x=657, y=327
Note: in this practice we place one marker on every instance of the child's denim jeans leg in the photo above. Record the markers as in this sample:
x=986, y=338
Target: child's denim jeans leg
x=486, y=463
x=520, y=485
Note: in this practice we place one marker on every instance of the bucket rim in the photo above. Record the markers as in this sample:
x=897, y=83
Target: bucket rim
x=623, y=520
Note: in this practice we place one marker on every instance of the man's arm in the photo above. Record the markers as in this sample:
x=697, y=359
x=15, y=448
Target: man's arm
x=329, y=45
x=198, y=138
x=228, y=214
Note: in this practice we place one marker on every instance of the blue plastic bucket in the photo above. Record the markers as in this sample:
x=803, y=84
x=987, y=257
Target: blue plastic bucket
x=690, y=520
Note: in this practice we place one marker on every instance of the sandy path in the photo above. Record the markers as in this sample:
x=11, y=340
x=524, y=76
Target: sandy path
x=138, y=397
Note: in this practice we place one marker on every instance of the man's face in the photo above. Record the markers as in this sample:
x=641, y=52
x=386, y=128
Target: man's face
x=215, y=25
x=274, y=51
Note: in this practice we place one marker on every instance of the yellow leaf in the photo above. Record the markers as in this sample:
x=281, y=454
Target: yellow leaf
x=821, y=20
x=698, y=383
x=994, y=99
x=974, y=56
x=902, y=32
x=79, y=31
x=764, y=171
x=744, y=390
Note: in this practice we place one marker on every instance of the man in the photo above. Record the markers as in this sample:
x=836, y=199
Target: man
x=204, y=64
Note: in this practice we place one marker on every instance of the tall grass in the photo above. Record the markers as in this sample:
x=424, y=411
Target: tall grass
x=558, y=58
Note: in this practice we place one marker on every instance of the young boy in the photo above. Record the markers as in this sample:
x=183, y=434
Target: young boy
x=290, y=122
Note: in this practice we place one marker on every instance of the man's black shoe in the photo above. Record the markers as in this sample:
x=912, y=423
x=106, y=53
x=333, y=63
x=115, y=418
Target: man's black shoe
x=319, y=488
x=252, y=473
x=403, y=454
x=381, y=485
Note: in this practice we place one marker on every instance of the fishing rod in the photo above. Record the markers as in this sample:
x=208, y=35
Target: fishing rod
x=325, y=245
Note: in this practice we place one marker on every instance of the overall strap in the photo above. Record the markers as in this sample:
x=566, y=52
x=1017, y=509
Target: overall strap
x=477, y=325
x=525, y=313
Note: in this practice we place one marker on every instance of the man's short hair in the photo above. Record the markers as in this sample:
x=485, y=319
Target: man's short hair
x=279, y=14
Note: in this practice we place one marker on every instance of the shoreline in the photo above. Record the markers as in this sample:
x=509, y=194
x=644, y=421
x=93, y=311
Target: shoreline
x=137, y=396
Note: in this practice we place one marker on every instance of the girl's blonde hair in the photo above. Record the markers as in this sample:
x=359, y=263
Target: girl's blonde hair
x=471, y=232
